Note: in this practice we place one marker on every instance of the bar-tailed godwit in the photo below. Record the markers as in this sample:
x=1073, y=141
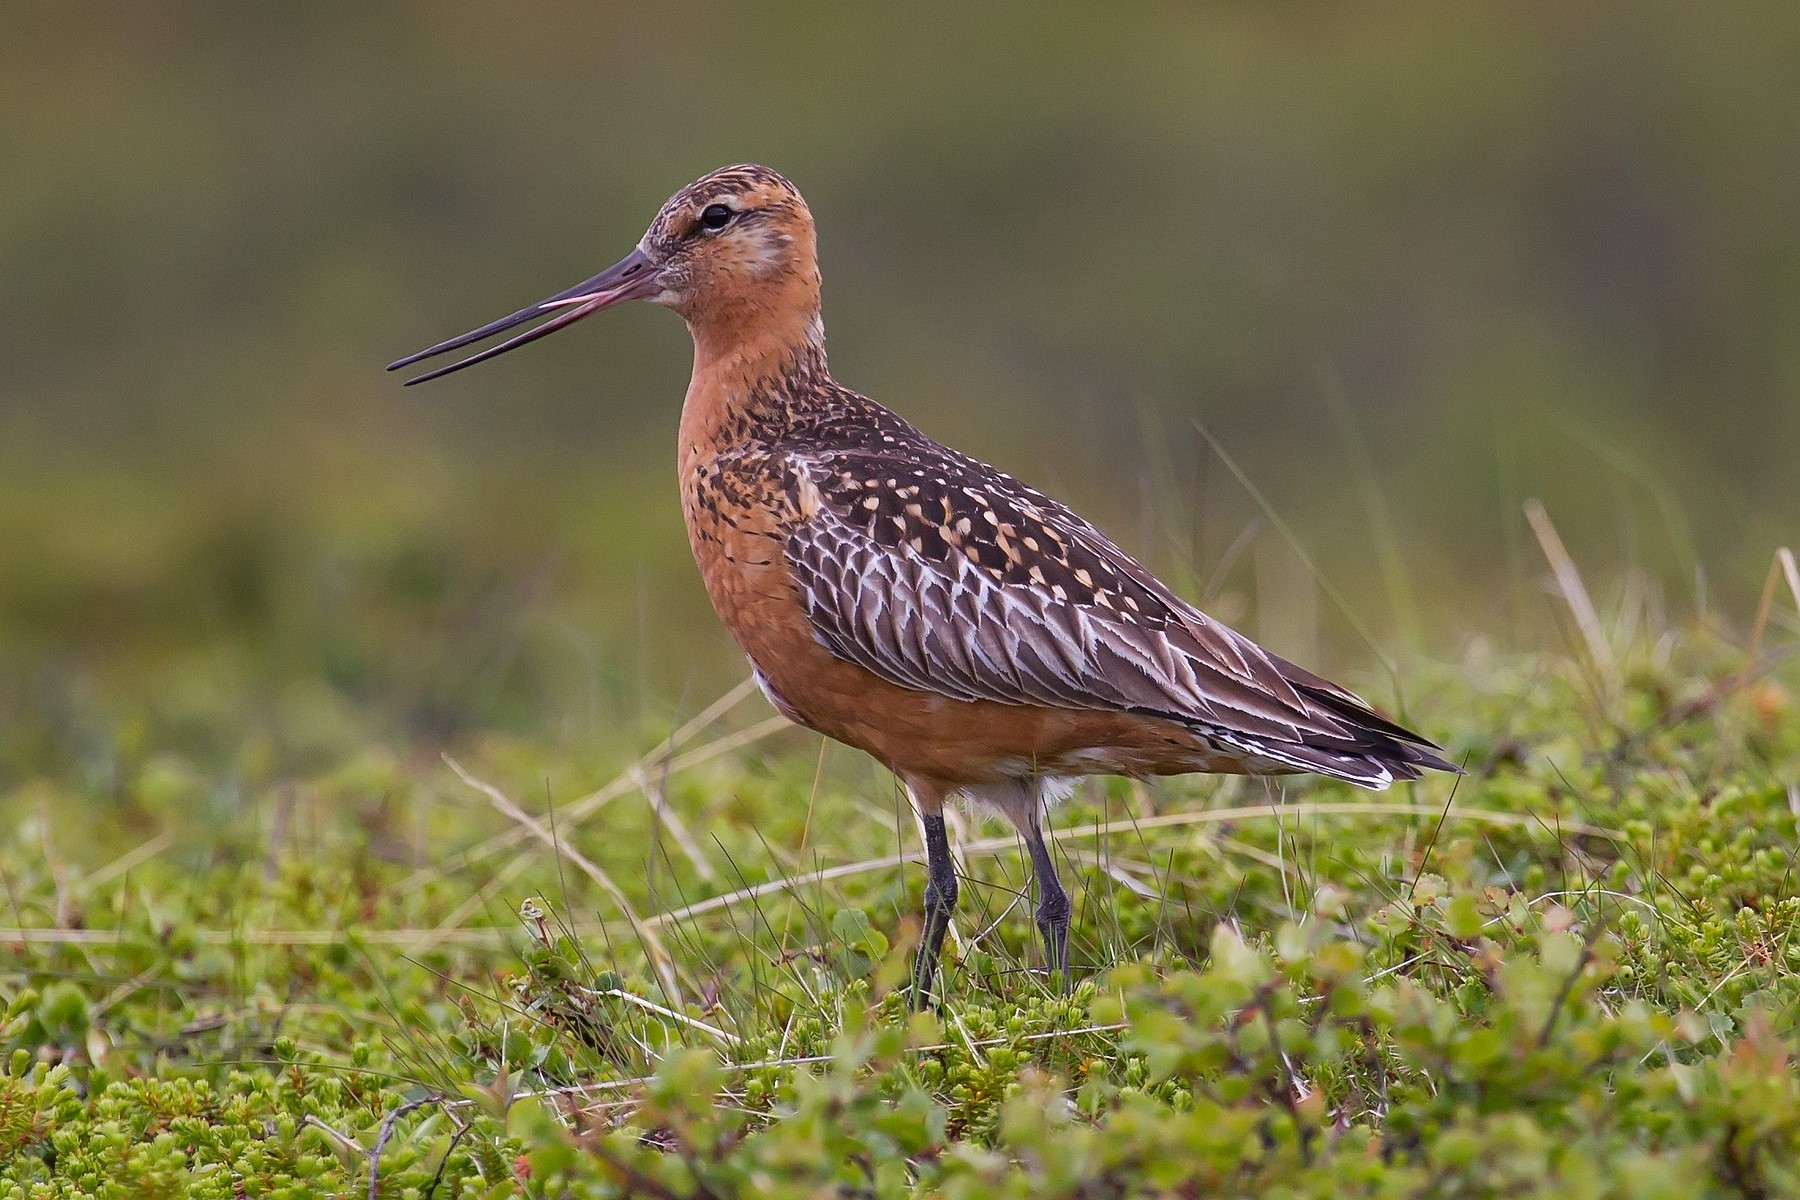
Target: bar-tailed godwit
x=975, y=636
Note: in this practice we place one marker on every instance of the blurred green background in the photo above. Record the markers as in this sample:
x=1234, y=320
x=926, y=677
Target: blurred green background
x=1410, y=264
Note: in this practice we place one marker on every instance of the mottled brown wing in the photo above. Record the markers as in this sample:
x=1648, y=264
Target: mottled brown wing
x=941, y=574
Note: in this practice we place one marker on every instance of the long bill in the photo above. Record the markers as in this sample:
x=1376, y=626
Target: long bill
x=631, y=278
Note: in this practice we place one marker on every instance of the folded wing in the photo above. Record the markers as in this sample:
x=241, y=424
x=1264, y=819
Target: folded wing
x=939, y=573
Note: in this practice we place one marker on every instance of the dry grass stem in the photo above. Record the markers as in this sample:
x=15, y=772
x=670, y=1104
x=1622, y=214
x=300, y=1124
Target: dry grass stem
x=656, y=758
x=663, y=812
x=659, y=956
x=986, y=847
x=1574, y=591
x=713, y=1031
x=124, y=863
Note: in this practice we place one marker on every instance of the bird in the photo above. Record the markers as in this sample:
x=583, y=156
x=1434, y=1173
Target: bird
x=980, y=640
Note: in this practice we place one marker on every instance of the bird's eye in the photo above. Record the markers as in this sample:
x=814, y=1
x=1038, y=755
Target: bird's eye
x=715, y=217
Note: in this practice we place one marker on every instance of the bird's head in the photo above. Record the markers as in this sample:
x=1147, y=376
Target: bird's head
x=734, y=253
x=734, y=242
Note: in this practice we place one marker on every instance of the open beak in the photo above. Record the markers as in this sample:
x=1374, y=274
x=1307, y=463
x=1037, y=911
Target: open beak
x=631, y=278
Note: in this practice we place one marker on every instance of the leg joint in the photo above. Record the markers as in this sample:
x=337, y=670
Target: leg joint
x=941, y=890
x=939, y=866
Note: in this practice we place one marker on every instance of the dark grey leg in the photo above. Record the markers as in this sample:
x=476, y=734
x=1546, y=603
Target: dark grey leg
x=940, y=902
x=1053, y=904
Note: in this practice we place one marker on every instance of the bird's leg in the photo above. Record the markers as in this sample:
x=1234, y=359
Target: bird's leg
x=940, y=902
x=1053, y=902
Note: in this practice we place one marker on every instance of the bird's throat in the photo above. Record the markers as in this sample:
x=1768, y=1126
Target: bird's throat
x=751, y=377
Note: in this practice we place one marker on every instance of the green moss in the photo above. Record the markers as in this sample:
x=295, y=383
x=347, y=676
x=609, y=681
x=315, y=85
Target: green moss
x=1579, y=980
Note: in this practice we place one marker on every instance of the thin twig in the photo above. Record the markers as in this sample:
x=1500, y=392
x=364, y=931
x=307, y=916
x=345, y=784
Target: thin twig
x=462, y=1129
x=387, y=1131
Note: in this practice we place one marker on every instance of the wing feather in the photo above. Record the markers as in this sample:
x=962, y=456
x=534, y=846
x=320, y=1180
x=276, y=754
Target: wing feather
x=940, y=574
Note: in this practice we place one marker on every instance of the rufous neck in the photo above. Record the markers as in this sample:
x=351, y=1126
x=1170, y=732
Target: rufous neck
x=751, y=384
x=745, y=350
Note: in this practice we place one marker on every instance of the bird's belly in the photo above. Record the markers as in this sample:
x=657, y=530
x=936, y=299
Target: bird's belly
x=956, y=741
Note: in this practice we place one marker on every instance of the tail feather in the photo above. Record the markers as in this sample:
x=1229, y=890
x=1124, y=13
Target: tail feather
x=1372, y=752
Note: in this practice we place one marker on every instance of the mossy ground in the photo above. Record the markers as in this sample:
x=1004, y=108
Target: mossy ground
x=1570, y=973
